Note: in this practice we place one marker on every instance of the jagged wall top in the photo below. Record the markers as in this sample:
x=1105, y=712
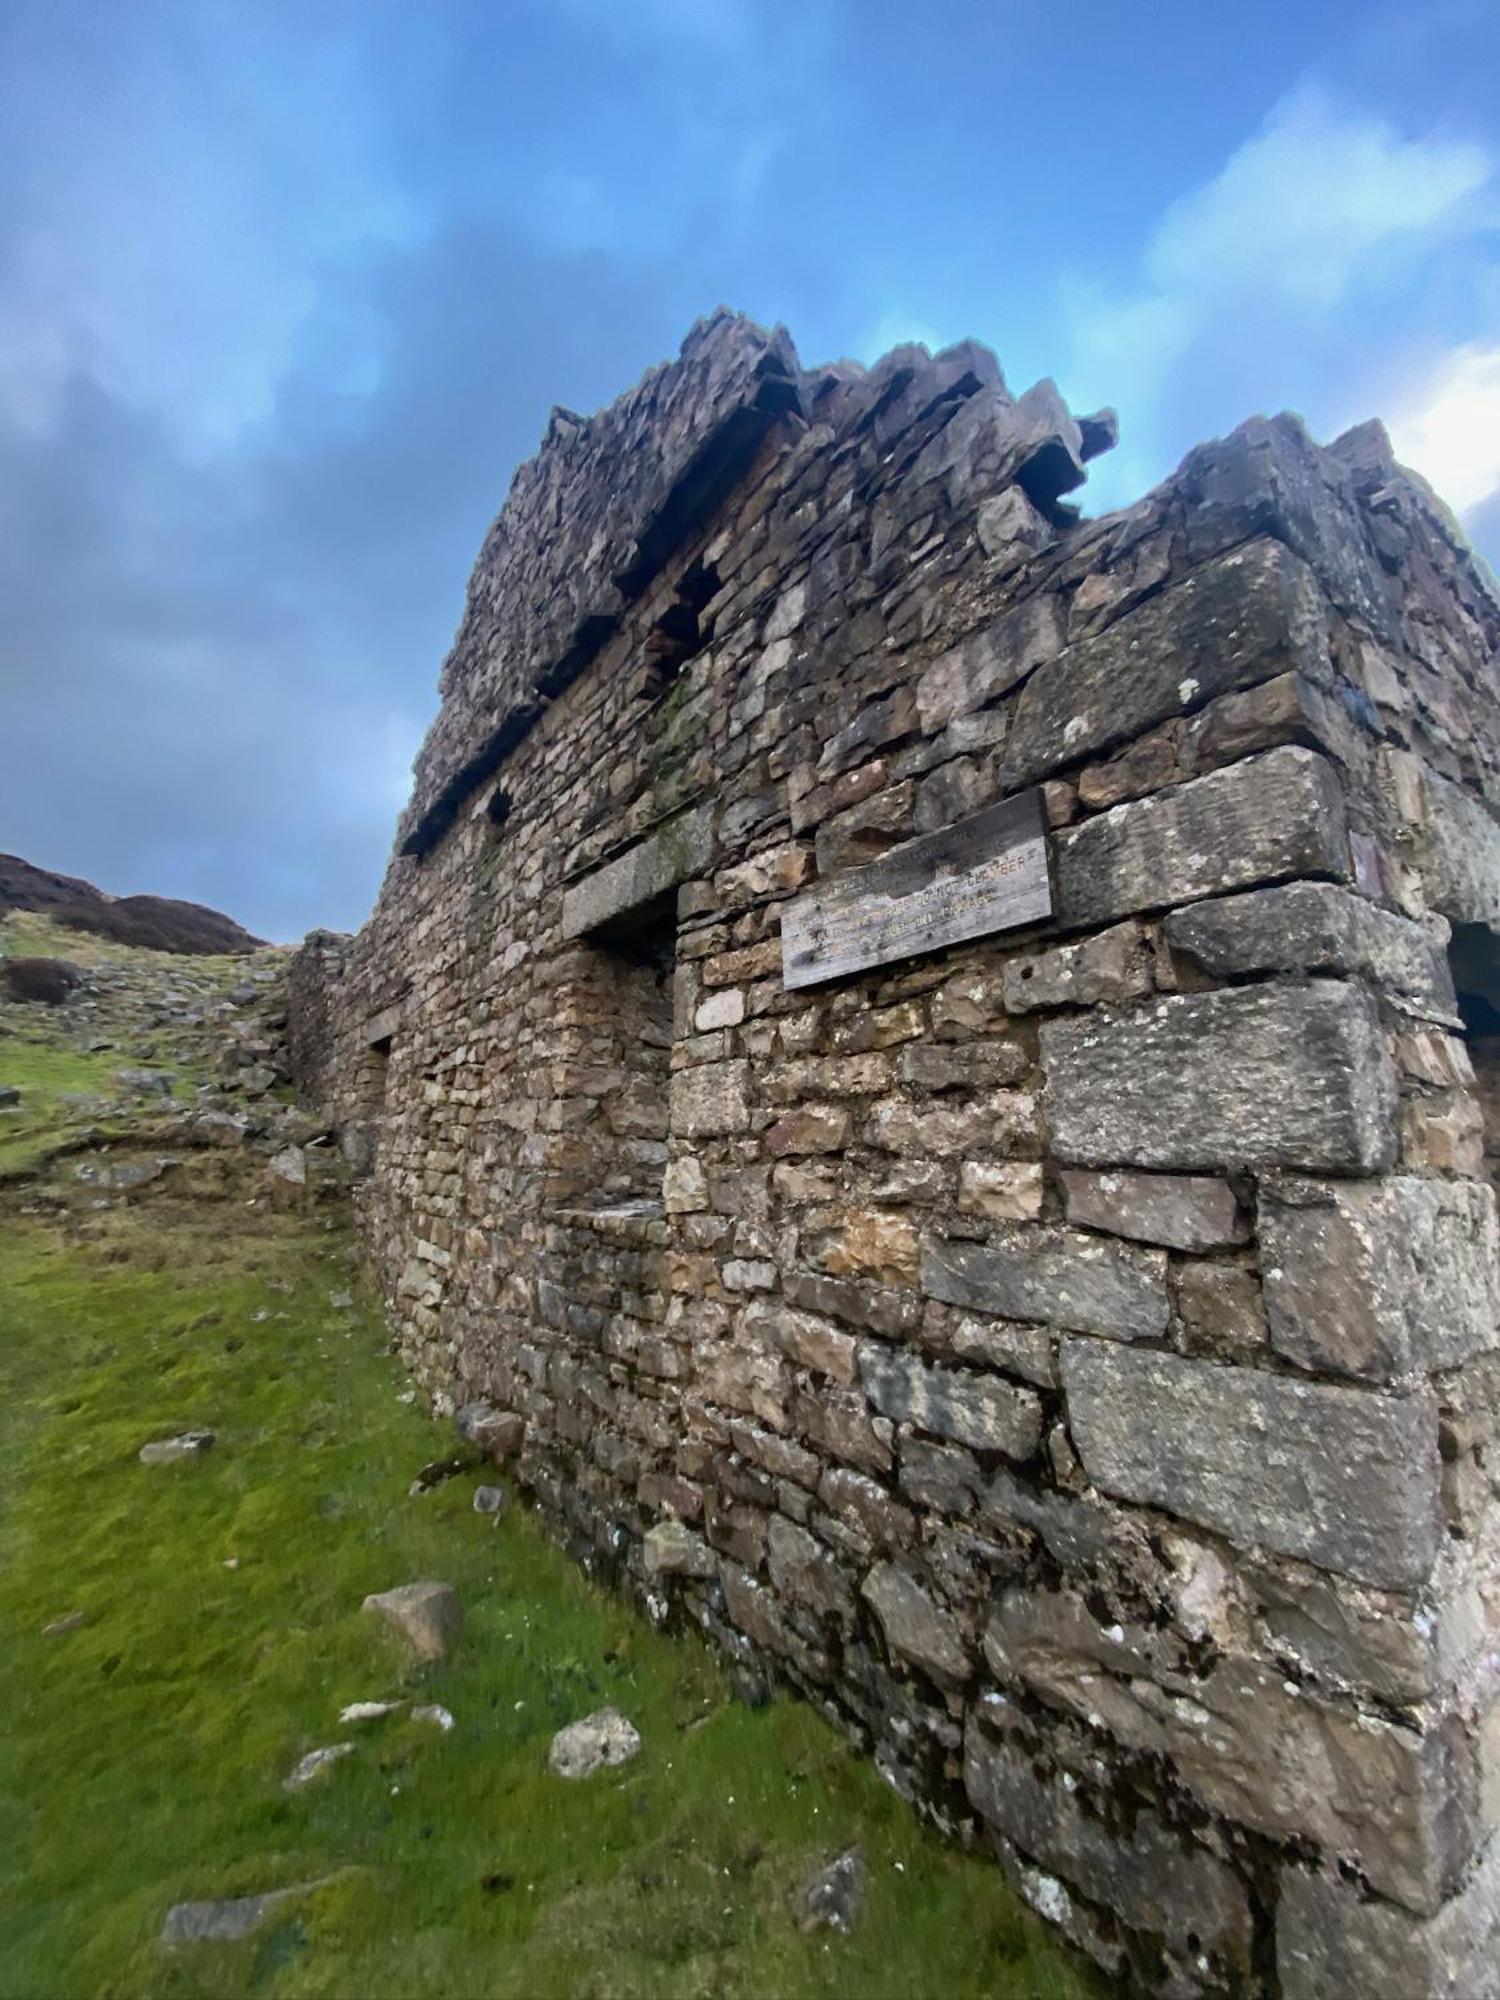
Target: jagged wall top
x=595, y=515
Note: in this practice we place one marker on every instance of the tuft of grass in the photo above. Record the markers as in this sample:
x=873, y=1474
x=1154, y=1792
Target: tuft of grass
x=144, y=1751
x=45, y=1071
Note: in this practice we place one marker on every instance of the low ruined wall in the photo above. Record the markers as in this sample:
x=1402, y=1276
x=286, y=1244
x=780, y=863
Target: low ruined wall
x=1068, y=1354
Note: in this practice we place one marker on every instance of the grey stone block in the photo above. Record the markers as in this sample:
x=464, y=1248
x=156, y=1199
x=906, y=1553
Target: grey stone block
x=1381, y=1279
x=1243, y=618
x=1344, y=1478
x=1266, y=818
x=915, y=1627
x=1153, y=1878
x=1254, y=1077
x=636, y=878
x=977, y=1410
x=1316, y=927
x=1053, y=1277
x=1182, y=1211
x=1331, y=1942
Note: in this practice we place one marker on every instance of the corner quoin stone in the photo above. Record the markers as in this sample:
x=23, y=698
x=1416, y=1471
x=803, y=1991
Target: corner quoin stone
x=1261, y=1076
x=1261, y=820
x=1381, y=1279
x=1342, y=1477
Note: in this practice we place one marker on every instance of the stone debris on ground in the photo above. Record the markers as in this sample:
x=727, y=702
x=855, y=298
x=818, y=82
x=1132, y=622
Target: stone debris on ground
x=597, y=1743
x=173, y=1450
x=369, y=1711
x=491, y=1500
x=428, y=1616
x=835, y=1897
x=233, y=1918
x=314, y=1764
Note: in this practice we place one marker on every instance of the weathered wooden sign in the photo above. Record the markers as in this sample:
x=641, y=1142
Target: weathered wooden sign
x=982, y=874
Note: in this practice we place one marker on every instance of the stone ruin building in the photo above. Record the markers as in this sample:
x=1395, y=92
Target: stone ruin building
x=932, y=1068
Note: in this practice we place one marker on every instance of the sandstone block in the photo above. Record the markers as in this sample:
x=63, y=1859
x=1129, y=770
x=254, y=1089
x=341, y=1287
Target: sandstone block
x=1315, y=927
x=1055, y=1278
x=977, y=1410
x=805, y=1339
x=1181, y=1211
x=1253, y=1077
x=816, y=1128
x=1383, y=1278
x=989, y=662
x=1109, y=970
x=670, y=1549
x=1011, y=1192
x=710, y=1100
x=1249, y=615
x=1273, y=816
x=1346, y=1479
x=915, y=1627
x=640, y=875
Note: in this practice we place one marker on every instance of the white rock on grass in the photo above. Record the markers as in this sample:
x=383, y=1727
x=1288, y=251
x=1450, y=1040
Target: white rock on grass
x=227, y=1921
x=315, y=1763
x=368, y=1711
x=602, y=1739
x=434, y=1712
x=172, y=1450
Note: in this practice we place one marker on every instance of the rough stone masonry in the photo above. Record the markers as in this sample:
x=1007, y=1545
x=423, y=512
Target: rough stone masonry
x=1065, y=1345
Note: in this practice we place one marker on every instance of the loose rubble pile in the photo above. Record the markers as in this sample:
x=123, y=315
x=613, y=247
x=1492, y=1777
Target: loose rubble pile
x=1067, y=1353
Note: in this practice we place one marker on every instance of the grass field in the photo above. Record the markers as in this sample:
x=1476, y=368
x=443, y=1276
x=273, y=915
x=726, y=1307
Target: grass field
x=144, y=1749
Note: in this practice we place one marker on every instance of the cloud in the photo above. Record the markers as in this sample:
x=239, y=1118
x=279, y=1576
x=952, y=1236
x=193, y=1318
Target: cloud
x=1278, y=281
x=1451, y=432
x=218, y=662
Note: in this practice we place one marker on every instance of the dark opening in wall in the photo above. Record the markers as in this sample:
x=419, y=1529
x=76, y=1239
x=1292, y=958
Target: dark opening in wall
x=680, y=632
x=1474, y=957
x=360, y=1139
x=632, y=965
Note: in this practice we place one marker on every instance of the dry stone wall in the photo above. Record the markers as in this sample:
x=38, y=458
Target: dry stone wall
x=1070, y=1356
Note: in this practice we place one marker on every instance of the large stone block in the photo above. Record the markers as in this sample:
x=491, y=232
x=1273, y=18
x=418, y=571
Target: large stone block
x=1459, y=852
x=1054, y=1277
x=636, y=878
x=989, y=662
x=1344, y=1478
x=1152, y=1878
x=1316, y=927
x=1241, y=619
x=710, y=1100
x=1254, y=1077
x=1380, y=1279
x=977, y=1410
x=1397, y=1802
x=1269, y=817
x=1332, y=1943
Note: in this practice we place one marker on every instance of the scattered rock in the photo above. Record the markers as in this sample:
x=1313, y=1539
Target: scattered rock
x=835, y=1896
x=496, y=1433
x=492, y=1500
x=9, y=1094
x=427, y=1615
x=435, y=1713
x=600, y=1740
x=368, y=1711
x=69, y=1623
x=168, y=1451
x=341, y=1301
x=124, y=1175
x=146, y=1082
x=228, y=1921
x=314, y=1763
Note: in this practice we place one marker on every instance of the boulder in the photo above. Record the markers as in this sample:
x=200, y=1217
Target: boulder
x=428, y=1616
x=596, y=1743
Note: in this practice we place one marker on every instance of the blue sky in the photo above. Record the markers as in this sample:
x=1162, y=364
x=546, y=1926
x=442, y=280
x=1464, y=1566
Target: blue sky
x=287, y=290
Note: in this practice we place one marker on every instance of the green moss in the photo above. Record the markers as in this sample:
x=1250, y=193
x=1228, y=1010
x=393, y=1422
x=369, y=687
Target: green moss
x=144, y=1751
x=44, y=1071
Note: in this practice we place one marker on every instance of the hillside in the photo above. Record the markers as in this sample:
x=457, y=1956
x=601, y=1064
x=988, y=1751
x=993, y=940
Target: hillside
x=153, y=923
